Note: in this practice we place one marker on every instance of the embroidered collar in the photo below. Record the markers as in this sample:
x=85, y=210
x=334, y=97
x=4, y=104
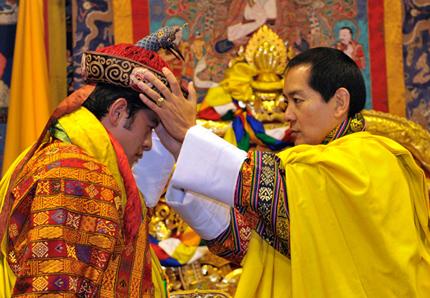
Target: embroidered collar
x=348, y=126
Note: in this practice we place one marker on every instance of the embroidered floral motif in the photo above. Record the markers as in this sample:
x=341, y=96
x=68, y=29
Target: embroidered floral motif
x=65, y=233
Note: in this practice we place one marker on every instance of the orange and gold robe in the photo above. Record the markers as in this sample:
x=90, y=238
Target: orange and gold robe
x=66, y=232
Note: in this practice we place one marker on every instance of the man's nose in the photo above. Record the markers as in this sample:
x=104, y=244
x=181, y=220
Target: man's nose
x=147, y=143
x=289, y=114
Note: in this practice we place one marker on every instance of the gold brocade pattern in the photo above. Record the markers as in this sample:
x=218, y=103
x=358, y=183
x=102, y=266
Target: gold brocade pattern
x=407, y=133
x=65, y=233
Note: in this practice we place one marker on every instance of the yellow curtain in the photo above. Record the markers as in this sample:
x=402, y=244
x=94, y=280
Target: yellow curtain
x=29, y=107
x=393, y=18
x=57, y=47
x=122, y=21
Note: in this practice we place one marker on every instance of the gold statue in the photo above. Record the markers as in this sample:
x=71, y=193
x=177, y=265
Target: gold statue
x=254, y=77
x=268, y=54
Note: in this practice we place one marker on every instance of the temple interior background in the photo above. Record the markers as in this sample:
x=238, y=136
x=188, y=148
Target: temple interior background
x=42, y=41
x=390, y=42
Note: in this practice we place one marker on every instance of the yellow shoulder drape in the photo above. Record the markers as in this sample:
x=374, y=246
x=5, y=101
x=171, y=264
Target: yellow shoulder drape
x=353, y=233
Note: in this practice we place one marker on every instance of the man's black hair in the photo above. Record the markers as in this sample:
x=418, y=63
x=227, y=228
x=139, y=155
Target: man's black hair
x=104, y=95
x=330, y=70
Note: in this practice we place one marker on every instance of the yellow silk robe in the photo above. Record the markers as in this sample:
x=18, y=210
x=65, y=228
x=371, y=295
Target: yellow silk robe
x=359, y=225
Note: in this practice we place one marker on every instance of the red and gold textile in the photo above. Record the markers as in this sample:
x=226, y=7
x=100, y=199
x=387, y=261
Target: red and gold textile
x=233, y=243
x=64, y=222
x=67, y=234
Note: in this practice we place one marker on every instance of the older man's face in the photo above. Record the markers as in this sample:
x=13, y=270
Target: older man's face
x=310, y=117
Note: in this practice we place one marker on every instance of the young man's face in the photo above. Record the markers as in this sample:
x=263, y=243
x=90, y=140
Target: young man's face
x=135, y=136
x=310, y=117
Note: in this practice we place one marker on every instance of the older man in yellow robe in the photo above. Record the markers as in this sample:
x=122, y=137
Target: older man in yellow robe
x=343, y=213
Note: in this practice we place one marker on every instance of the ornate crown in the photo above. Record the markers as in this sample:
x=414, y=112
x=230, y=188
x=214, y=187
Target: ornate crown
x=122, y=64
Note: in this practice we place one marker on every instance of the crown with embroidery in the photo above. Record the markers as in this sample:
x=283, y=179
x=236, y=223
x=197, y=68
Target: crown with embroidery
x=122, y=64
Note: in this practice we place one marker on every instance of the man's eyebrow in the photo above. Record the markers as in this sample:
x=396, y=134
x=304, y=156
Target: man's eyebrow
x=295, y=92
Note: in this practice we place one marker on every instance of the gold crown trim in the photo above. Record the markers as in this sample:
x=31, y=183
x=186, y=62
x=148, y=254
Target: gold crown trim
x=104, y=68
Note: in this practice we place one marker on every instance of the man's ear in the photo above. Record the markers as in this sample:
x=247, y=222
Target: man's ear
x=342, y=99
x=117, y=111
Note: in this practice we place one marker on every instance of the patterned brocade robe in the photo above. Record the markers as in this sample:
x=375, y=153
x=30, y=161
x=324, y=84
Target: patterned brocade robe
x=261, y=205
x=66, y=235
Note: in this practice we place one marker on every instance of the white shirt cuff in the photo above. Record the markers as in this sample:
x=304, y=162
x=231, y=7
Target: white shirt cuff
x=209, y=165
x=153, y=170
x=207, y=217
